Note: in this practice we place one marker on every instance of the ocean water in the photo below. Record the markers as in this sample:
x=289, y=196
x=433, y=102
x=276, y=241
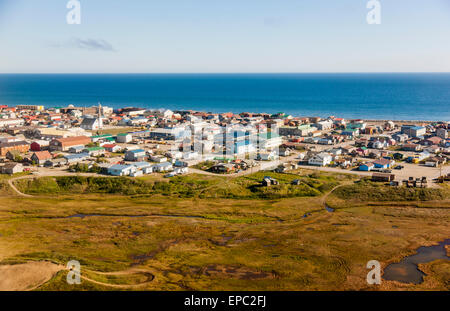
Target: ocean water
x=370, y=96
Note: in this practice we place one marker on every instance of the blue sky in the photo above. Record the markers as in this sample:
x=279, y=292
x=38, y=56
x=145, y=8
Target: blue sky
x=175, y=36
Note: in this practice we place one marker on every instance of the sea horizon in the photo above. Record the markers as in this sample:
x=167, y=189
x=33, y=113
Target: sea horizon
x=374, y=96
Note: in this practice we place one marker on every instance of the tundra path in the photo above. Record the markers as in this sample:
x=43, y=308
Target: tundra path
x=46, y=173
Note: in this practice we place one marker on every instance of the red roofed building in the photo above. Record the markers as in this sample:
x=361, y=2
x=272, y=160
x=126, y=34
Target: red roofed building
x=63, y=144
x=432, y=141
x=40, y=157
x=112, y=147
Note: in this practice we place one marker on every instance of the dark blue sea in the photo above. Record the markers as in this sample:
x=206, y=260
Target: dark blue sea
x=369, y=96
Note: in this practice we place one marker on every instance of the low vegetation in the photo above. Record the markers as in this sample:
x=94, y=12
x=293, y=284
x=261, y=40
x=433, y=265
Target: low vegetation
x=199, y=232
x=189, y=186
x=366, y=191
x=85, y=168
x=205, y=165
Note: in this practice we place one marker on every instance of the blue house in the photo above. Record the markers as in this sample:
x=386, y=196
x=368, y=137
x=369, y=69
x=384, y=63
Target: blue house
x=366, y=167
x=383, y=163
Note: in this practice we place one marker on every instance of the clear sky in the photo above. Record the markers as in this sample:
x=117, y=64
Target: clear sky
x=176, y=36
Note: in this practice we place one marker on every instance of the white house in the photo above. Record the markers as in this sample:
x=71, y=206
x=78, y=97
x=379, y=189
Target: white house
x=163, y=167
x=124, y=138
x=167, y=113
x=91, y=124
x=324, y=125
x=268, y=156
x=144, y=167
x=111, y=147
x=321, y=159
x=121, y=170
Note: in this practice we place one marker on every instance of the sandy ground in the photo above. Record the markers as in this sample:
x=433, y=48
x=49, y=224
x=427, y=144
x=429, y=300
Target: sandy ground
x=26, y=276
x=29, y=276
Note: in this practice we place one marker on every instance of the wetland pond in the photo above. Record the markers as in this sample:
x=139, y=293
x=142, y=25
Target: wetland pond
x=407, y=270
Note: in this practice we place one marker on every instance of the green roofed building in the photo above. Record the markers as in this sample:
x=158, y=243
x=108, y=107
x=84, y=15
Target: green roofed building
x=95, y=151
x=101, y=137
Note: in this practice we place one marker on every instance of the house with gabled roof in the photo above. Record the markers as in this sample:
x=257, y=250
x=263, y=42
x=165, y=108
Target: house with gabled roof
x=321, y=159
x=11, y=168
x=91, y=124
x=163, y=167
x=63, y=144
x=383, y=163
x=366, y=167
x=39, y=157
x=112, y=147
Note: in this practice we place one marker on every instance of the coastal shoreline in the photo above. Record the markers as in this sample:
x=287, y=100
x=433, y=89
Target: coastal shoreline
x=406, y=97
x=405, y=121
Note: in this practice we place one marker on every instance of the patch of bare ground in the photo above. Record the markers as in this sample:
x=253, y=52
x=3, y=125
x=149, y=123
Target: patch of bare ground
x=27, y=276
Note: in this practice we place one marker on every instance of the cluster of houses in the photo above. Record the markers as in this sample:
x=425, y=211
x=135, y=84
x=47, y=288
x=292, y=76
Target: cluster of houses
x=428, y=145
x=58, y=137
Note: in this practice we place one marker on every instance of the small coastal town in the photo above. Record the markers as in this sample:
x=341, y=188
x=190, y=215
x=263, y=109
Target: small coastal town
x=100, y=140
